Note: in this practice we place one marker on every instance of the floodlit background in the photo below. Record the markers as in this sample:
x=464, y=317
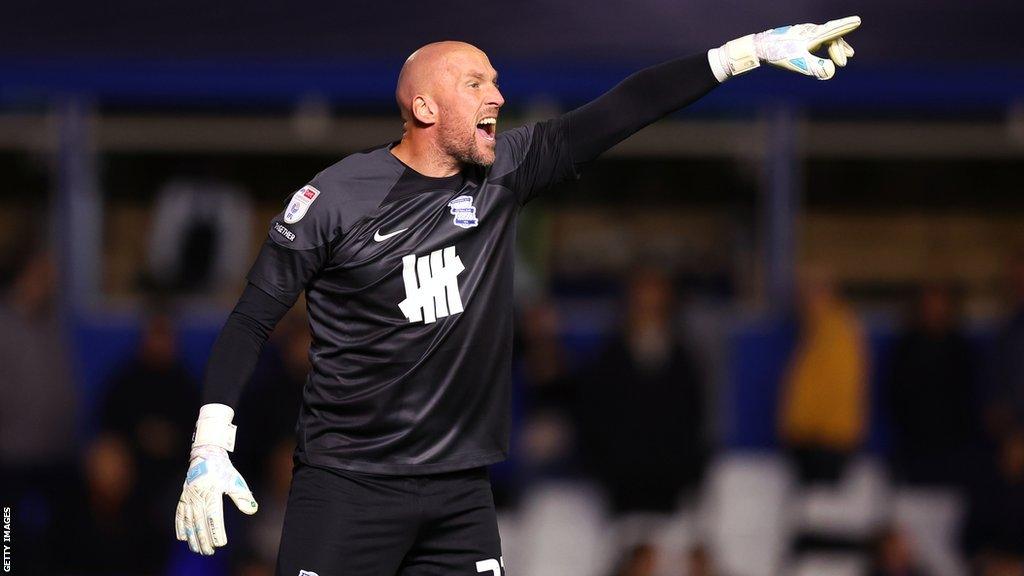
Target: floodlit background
x=778, y=333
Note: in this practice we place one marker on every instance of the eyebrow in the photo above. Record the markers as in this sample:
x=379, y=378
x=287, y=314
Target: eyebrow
x=481, y=76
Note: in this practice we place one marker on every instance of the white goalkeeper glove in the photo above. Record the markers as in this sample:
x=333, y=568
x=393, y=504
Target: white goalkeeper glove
x=788, y=47
x=199, y=518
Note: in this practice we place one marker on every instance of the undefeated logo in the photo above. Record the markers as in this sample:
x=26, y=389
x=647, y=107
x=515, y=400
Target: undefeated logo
x=284, y=232
x=431, y=286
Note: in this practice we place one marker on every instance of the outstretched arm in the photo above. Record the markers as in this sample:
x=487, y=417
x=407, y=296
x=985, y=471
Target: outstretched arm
x=654, y=92
x=637, y=101
x=548, y=152
x=555, y=150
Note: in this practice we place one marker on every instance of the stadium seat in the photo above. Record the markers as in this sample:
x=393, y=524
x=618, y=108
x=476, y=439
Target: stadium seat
x=931, y=518
x=852, y=509
x=748, y=528
x=828, y=564
x=562, y=530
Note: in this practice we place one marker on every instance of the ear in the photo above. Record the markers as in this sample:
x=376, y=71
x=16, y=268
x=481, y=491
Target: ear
x=424, y=110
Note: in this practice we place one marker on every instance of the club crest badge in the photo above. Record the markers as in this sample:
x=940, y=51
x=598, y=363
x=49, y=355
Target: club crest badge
x=464, y=211
x=300, y=203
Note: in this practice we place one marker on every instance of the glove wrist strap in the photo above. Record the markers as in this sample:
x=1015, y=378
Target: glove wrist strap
x=214, y=427
x=741, y=55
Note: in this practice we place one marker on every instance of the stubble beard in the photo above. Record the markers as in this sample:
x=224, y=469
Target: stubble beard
x=461, y=144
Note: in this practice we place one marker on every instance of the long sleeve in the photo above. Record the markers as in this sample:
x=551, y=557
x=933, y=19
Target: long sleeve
x=532, y=158
x=239, y=344
x=637, y=101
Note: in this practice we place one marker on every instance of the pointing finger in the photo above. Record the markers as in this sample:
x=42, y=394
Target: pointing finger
x=836, y=28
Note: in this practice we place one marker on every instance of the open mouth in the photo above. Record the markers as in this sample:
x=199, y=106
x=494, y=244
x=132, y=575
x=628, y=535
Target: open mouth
x=486, y=128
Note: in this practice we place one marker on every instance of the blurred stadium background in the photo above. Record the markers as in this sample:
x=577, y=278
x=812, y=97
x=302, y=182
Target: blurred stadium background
x=781, y=332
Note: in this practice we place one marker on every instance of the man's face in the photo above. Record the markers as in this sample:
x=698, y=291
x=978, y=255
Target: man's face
x=469, y=99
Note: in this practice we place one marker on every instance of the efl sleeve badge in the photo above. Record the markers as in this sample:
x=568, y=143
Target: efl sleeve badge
x=301, y=201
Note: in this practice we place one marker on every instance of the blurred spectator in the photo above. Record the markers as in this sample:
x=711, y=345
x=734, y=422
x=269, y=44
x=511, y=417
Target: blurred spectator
x=152, y=400
x=643, y=408
x=105, y=529
x=38, y=406
x=150, y=406
x=893, y=555
x=824, y=394
x=993, y=533
x=1006, y=410
x=548, y=434
x=698, y=562
x=932, y=392
x=639, y=560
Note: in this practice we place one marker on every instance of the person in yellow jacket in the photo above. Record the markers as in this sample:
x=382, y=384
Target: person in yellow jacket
x=823, y=413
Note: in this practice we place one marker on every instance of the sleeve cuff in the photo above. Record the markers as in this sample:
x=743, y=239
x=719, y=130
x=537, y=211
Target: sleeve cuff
x=718, y=67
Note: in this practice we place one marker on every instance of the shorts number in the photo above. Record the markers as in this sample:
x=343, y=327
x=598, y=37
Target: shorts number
x=491, y=565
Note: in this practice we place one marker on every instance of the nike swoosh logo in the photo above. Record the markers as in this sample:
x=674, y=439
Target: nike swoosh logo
x=380, y=238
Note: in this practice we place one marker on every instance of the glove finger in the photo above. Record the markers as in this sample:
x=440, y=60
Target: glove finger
x=846, y=47
x=242, y=496
x=837, y=28
x=190, y=530
x=202, y=532
x=179, y=521
x=836, y=53
x=822, y=68
x=832, y=30
x=245, y=502
x=215, y=520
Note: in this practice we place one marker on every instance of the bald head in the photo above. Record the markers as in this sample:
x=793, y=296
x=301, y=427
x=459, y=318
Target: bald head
x=429, y=69
x=449, y=98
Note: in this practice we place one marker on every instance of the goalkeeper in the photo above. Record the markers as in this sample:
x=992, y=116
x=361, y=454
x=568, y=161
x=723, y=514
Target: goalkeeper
x=404, y=253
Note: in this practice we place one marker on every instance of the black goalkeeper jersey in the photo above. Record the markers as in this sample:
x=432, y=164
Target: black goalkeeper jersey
x=408, y=283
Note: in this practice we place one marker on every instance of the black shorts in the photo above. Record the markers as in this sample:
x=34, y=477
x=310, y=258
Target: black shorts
x=341, y=523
